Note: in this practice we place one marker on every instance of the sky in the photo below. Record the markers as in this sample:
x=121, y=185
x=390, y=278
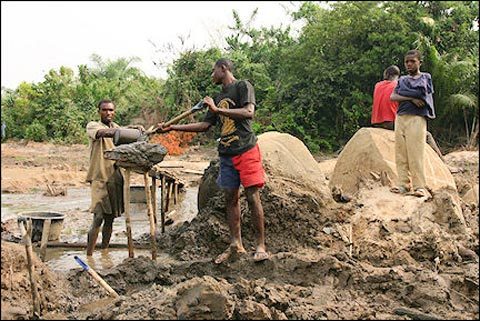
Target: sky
x=41, y=35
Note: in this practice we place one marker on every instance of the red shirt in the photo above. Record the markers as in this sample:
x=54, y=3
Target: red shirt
x=383, y=108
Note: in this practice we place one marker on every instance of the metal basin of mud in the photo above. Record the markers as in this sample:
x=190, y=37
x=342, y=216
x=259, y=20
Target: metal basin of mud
x=38, y=218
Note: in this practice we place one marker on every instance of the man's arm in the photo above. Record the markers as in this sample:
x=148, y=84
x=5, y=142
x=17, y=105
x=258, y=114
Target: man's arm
x=96, y=130
x=193, y=127
x=106, y=132
x=246, y=112
x=396, y=97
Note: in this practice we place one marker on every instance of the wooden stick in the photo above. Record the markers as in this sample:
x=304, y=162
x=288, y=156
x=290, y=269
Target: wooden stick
x=50, y=190
x=169, y=166
x=193, y=171
x=80, y=245
x=179, y=117
x=11, y=280
x=175, y=193
x=162, y=206
x=350, y=240
x=154, y=199
x=27, y=238
x=96, y=277
x=415, y=315
x=126, y=197
x=168, y=196
x=148, y=198
x=44, y=241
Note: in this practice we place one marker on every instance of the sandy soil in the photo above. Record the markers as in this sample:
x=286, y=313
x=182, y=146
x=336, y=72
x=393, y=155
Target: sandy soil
x=379, y=256
x=31, y=166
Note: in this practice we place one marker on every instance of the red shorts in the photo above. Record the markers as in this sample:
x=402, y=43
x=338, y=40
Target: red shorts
x=245, y=168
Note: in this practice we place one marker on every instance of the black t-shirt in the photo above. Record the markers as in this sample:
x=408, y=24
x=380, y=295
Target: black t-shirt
x=236, y=136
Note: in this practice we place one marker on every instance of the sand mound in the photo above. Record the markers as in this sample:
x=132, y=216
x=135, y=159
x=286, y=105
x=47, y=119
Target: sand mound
x=371, y=152
x=287, y=158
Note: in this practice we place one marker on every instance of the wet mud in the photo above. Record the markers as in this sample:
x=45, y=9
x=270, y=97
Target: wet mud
x=378, y=256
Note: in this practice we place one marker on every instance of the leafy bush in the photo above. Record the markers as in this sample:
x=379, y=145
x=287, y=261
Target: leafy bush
x=36, y=132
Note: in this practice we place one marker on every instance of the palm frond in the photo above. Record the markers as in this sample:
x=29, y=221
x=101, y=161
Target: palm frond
x=463, y=101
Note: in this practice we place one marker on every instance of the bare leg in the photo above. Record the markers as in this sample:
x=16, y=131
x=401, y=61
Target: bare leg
x=233, y=217
x=107, y=231
x=93, y=233
x=255, y=205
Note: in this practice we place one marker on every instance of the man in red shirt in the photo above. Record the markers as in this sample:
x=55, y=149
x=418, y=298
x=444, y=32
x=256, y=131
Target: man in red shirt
x=384, y=110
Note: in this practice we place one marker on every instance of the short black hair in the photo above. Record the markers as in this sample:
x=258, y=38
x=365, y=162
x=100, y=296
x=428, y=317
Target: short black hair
x=225, y=62
x=391, y=72
x=105, y=101
x=414, y=52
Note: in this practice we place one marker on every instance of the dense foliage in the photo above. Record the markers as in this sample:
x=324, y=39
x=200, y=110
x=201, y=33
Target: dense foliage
x=317, y=86
x=59, y=108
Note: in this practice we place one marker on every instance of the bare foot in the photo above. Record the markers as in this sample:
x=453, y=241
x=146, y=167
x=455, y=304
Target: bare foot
x=399, y=190
x=261, y=256
x=228, y=252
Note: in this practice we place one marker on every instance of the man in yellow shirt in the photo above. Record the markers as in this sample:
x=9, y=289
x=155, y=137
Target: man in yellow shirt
x=104, y=176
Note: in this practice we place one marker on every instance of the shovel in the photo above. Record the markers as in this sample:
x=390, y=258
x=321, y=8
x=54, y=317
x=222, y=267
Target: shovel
x=96, y=277
x=127, y=135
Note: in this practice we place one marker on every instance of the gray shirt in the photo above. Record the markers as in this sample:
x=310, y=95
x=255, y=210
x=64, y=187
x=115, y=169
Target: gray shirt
x=420, y=88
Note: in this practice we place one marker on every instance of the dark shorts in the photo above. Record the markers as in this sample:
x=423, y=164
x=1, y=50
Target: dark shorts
x=245, y=169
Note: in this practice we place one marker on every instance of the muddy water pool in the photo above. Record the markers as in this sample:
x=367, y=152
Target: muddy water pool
x=77, y=223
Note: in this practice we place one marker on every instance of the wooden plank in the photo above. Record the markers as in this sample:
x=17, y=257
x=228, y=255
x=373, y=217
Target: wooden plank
x=416, y=315
x=154, y=199
x=27, y=239
x=126, y=193
x=175, y=193
x=148, y=197
x=168, y=190
x=162, y=206
x=82, y=245
x=192, y=171
x=44, y=241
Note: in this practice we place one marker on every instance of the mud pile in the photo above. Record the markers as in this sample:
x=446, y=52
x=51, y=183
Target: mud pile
x=137, y=156
x=378, y=256
x=464, y=166
x=16, y=291
x=295, y=199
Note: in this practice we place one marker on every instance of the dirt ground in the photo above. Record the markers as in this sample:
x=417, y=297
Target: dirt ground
x=378, y=256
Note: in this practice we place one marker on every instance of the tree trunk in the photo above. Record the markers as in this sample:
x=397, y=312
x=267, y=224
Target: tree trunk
x=466, y=126
x=473, y=137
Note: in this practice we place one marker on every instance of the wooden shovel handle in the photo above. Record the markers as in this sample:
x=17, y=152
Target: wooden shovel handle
x=178, y=118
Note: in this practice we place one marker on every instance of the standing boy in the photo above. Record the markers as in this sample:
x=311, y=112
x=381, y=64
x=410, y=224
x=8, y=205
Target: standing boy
x=240, y=158
x=415, y=94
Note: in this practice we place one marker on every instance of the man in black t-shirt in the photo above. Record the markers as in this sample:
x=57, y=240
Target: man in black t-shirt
x=240, y=158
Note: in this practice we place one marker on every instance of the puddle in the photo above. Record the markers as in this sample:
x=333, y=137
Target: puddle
x=63, y=260
x=78, y=220
x=76, y=199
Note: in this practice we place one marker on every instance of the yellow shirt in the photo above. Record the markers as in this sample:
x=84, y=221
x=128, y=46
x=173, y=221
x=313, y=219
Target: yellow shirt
x=101, y=169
